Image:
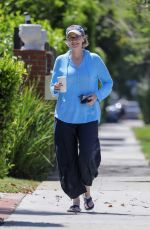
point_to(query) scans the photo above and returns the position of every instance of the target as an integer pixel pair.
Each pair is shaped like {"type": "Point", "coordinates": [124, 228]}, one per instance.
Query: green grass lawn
{"type": "Point", "coordinates": [143, 135]}
{"type": "Point", "coordinates": [13, 185]}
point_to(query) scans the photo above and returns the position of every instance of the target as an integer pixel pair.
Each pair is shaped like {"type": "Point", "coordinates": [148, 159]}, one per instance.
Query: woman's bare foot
{"type": "Point", "coordinates": [88, 202]}
{"type": "Point", "coordinates": [76, 206]}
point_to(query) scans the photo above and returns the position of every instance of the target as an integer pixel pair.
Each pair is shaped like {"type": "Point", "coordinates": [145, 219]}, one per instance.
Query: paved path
{"type": "Point", "coordinates": [121, 192]}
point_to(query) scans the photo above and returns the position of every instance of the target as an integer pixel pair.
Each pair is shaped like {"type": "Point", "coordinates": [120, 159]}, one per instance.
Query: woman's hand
{"type": "Point", "coordinates": [92, 99]}
{"type": "Point", "coordinates": [57, 86]}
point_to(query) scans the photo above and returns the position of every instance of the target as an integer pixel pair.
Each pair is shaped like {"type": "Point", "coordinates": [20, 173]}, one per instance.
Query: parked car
{"type": "Point", "coordinates": [122, 109]}
{"type": "Point", "coordinates": [132, 110]}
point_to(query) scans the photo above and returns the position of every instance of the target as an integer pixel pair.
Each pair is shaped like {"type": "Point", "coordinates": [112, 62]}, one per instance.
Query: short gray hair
{"type": "Point", "coordinates": [86, 42]}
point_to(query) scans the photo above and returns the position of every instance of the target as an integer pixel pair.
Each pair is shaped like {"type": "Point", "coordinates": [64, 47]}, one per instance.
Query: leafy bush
{"type": "Point", "coordinates": [7, 25]}
{"type": "Point", "coordinates": [33, 149]}
{"type": "Point", "coordinates": [55, 36]}
{"type": "Point", "coordinates": [26, 123]}
{"type": "Point", "coordinates": [11, 72]}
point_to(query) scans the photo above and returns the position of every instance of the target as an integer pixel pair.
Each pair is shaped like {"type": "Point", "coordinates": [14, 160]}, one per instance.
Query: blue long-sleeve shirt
{"type": "Point", "coordinates": [81, 80]}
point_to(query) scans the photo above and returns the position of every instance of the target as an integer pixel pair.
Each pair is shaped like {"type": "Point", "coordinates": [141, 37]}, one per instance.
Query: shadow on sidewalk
{"type": "Point", "coordinates": [46, 224]}
{"type": "Point", "coordinates": [50, 213]}
{"type": "Point", "coordinates": [31, 224]}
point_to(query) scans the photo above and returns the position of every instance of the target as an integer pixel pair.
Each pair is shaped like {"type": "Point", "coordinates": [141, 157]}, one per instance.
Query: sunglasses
{"type": "Point", "coordinates": [74, 38]}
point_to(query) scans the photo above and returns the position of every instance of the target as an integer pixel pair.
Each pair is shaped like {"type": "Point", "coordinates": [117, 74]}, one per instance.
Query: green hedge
{"type": "Point", "coordinates": [26, 124]}
{"type": "Point", "coordinates": [144, 99]}
{"type": "Point", "coordinates": [11, 72]}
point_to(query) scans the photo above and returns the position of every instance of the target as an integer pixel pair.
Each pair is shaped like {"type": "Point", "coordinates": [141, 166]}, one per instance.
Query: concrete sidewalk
{"type": "Point", "coordinates": [121, 191]}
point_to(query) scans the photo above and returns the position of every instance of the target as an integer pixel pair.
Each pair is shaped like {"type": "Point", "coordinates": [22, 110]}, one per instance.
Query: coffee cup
{"type": "Point", "coordinates": [63, 87]}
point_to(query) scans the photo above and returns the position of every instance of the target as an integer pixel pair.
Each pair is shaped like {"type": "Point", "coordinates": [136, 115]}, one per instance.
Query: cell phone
{"type": "Point", "coordinates": [84, 99]}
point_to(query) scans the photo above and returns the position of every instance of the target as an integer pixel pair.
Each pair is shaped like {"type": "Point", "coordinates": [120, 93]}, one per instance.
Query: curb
{"type": "Point", "coordinates": [8, 204]}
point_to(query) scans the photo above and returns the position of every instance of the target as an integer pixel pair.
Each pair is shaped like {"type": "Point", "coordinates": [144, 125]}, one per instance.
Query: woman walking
{"type": "Point", "coordinates": [77, 115]}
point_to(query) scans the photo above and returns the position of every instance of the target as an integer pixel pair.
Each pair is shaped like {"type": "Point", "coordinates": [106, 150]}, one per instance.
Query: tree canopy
{"type": "Point", "coordinates": [117, 29]}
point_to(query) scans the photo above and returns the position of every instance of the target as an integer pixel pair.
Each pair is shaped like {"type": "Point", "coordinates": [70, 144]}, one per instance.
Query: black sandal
{"type": "Point", "coordinates": [87, 202]}
{"type": "Point", "coordinates": [74, 208]}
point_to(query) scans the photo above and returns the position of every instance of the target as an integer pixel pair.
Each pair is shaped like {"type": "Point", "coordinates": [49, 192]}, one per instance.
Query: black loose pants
{"type": "Point", "coordinates": [78, 155]}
